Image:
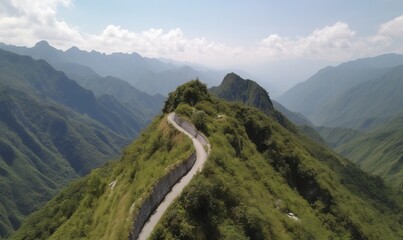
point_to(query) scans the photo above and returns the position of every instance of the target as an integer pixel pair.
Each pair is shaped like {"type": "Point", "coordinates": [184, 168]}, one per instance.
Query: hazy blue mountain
{"type": "Point", "coordinates": [51, 131]}
{"type": "Point", "coordinates": [312, 97]}
{"type": "Point", "coordinates": [143, 105]}
{"type": "Point", "coordinates": [147, 74]}
{"type": "Point", "coordinates": [359, 103]}
{"type": "Point", "coordinates": [166, 81]}
{"type": "Point", "coordinates": [297, 118]}
{"type": "Point", "coordinates": [368, 103]}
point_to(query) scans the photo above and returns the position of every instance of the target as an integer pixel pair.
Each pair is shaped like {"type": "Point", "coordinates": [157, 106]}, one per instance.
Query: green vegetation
{"type": "Point", "coordinates": [259, 171]}
{"type": "Point", "coordinates": [190, 93]}
{"type": "Point", "coordinates": [102, 205]}
{"type": "Point", "coordinates": [257, 174]}
{"type": "Point", "coordinates": [337, 136]}
{"type": "Point", "coordinates": [51, 131]}
{"type": "Point", "coordinates": [236, 89]}
{"type": "Point", "coordinates": [359, 103]}
{"type": "Point", "coordinates": [377, 151]}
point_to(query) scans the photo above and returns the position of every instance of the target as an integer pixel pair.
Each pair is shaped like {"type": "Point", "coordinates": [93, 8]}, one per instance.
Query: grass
{"type": "Point", "coordinates": [90, 209]}
{"type": "Point", "coordinates": [257, 173]}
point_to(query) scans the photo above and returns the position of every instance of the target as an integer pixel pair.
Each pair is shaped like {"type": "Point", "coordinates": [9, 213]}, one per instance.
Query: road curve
{"type": "Point", "coordinates": [201, 157]}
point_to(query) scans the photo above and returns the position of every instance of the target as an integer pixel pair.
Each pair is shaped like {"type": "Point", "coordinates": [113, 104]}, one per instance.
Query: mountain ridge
{"type": "Point", "coordinates": [141, 72]}
{"type": "Point", "coordinates": [258, 173]}
{"type": "Point", "coordinates": [52, 131]}
{"type": "Point", "coordinates": [312, 96]}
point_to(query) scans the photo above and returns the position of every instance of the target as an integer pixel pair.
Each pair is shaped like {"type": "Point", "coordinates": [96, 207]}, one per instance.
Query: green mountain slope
{"type": "Point", "coordinates": [52, 130]}
{"type": "Point", "coordinates": [102, 205]}
{"type": "Point", "coordinates": [312, 97]}
{"type": "Point", "coordinates": [337, 136]}
{"type": "Point", "coordinates": [143, 106]}
{"type": "Point", "coordinates": [257, 174]}
{"type": "Point", "coordinates": [259, 171]}
{"type": "Point", "coordinates": [378, 151]}
{"type": "Point", "coordinates": [235, 88]}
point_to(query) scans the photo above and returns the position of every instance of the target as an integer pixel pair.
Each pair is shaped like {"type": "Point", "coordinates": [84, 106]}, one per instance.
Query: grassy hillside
{"type": "Point", "coordinates": [258, 172]}
{"type": "Point", "coordinates": [51, 131]}
{"type": "Point", "coordinates": [337, 136]}
{"type": "Point", "coordinates": [235, 88]}
{"type": "Point", "coordinates": [379, 151]}
{"type": "Point", "coordinates": [102, 205]}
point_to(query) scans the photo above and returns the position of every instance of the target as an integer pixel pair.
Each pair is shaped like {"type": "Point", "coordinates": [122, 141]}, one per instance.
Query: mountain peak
{"type": "Point", "coordinates": [42, 44]}
{"type": "Point", "coordinates": [191, 93]}
{"type": "Point", "coordinates": [73, 49]}
{"type": "Point", "coordinates": [235, 88]}
{"type": "Point", "coordinates": [232, 77]}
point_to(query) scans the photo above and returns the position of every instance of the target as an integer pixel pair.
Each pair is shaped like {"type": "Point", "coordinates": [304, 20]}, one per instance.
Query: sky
{"type": "Point", "coordinates": [279, 42]}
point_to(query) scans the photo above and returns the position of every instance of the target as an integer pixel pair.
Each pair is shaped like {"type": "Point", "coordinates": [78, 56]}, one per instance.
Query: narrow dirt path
{"type": "Point", "coordinates": [201, 157]}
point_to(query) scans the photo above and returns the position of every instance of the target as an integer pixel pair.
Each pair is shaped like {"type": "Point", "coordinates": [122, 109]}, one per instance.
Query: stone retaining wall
{"type": "Point", "coordinates": [158, 193]}
{"type": "Point", "coordinates": [191, 129]}
{"type": "Point", "coordinates": [166, 183]}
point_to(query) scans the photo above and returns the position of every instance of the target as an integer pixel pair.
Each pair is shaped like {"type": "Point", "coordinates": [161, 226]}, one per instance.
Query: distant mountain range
{"type": "Point", "coordinates": [358, 106]}
{"type": "Point", "coordinates": [323, 98]}
{"type": "Point", "coordinates": [265, 178]}
{"type": "Point", "coordinates": [368, 103]}
{"type": "Point", "coordinates": [146, 74]}
{"type": "Point", "coordinates": [52, 130]}
{"type": "Point", "coordinates": [261, 181]}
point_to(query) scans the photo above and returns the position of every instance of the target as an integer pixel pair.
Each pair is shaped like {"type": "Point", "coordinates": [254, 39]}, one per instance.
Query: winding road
{"type": "Point", "coordinates": [201, 157]}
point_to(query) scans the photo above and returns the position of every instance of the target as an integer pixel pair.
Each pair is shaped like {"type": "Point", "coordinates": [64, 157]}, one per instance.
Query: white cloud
{"type": "Point", "coordinates": [334, 41]}
{"type": "Point", "coordinates": [158, 43]}
{"type": "Point", "coordinates": [25, 22]}
{"type": "Point", "coordinates": [393, 28]}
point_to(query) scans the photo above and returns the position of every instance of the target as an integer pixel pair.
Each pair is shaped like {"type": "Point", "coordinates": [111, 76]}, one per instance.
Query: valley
{"type": "Point", "coordinates": [201, 120]}
{"type": "Point", "coordinates": [87, 153]}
